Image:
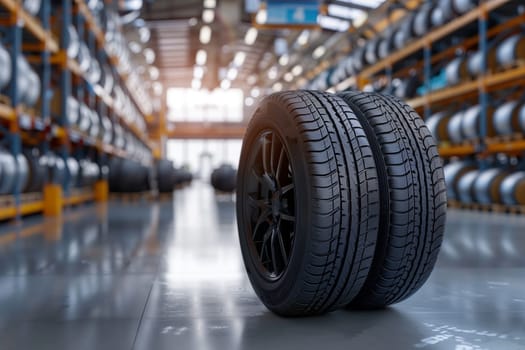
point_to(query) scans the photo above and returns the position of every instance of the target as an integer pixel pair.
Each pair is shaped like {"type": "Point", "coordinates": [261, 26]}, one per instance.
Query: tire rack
{"type": "Point", "coordinates": [14, 118]}
{"type": "Point", "coordinates": [480, 87]}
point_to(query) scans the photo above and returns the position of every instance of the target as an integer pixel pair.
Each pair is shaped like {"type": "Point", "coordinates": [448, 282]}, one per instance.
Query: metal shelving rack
{"type": "Point", "coordinates": [51, 56]}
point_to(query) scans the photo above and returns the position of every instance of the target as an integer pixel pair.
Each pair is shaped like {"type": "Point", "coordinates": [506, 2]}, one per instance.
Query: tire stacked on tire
{"type": "Point", "coordinates": [341, 201]}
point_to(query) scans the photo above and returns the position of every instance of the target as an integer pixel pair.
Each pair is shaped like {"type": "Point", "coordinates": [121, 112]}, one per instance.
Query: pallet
{"type": "Point", "coordinates": [489, 208]}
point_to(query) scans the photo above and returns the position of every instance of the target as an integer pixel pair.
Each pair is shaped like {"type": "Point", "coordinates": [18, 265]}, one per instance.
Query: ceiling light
{"type": "Point", "coordinates": [344, 11]}
{"type": "Point", "coordinates": [256, 92]}
{"type": "Point", "coordinates": [288, 77]}
{"type": "Point", "coordinates": [272, 73]}
{"type": "Point", "coordinates": [196, 84]}
{"type": "Point", "coordinates": [225, 84]}
{"type": "Point", "coordinates": [303, 38]}
{"type": "Point", "coordinates": [200, 57]}
{"type": "Point", "coordinates": [251, 36]}
{"type": "Point", "coordinates": [332, 23]}
{"type": "Point", "coordinates": [198, 72]}
{"type": "Point", "coordinates": [134, 47]}
{"type": "Point", "coordinates": [358, 22]}
{"type": "Point", "coordinates": [205, 34]}
{"type": "Point", "coordinates": [210, 4]}
{"type": "Point", "coordinates": [365, 3]}
{"type": "Point", "coordinates": [192, 22]}
{"type": "Point", "coordinates": [262, 16]}
{"type": "Point", "coordinates": [284, 60]}
{"type": "Point", "coordinates": [249, 101]}
{"type": "Point", "coordinates": [208, 15]}
{"type": "Point", "coordinates": [277, 87]}
{"type": "Point", "coordinates": [157, 88]}
{"type": "Point", "coordinates": [154, 73]}
{"type": "Point", "coordinates": [297, 70]}
{"type": "Point", "coordinates": [239, 58]}
{"type": "Point", "coordinates": [252, 79]}
{"type": "Point", "coordinates": [232, 73]}
{"type": "Point", "coordinates": [149, 55]}
{"type": "Point", "coordinates": [319, 52]}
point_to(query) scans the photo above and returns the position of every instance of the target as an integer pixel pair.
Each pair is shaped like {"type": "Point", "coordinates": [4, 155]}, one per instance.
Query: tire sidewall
{"type": "Point", "coordinates": [271, 116]}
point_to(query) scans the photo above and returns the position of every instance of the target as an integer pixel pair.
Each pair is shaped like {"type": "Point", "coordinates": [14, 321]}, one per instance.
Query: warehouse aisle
{"type": "Point", "coordinates": [170, 276]}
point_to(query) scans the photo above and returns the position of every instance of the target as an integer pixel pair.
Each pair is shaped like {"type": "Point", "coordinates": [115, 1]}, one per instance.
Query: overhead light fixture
{"type": "Point", "coordinates": [200, 57]}
{"type": "Point", "coordinates": [210, 4]}
{"type": "Point", "coordinates": [277, 87]}
{"type": "Point", "coordinates": [358, 22]}
{"type": "Point", "coordinates": [196, 84]}
{"type": "Point", "coordinates": [302, 39]}
{"type": "Point", "coordinates": [251, 36]}
{"type": "Point", "coordinates": [331, 23]}
{"type": "Point", "coordinates": [232, 73]}
{"type": "Point", "coordinates": [284, 60]}
{"type": "Point", "coordinates": [272, 73]}
{"type": "Point", "coordinates": [239, 58]}
{"type": "Point", "coordinates": [256, 92]}
{"type": "Point", "coordinates": [198, 72]}
{"type": "Point", "coordinates": [149, 55]}
{"type": "Point", "coordinates": [364, 3]}
{"type": "Point", "coordinates": [344, 11]}
{"type": "Point", "coordinates": [205, 34]}
{"type": "Point", "coordinates": [208, 15]}
{"type": "Point", "coordinates": [297, 70]}
{"type": "Point", "coordinates": [249, 101]}
{"type": "Point", "coordinates": [225, 84]}
{"type": "Point", "coordinates": [319, 52]}
{"type": "Point", "coordinates": [288, 77]}
{"type": "Point", "coordinates": [262, 16]}
{"type": "Point", "coordinates": [192, 22]}
{"type": "Point", "coordinates": [252, 79]}
{"type": "Point", "coordinates": [154, 73]}
{"type": "Point", "coordinates": [134, 47]}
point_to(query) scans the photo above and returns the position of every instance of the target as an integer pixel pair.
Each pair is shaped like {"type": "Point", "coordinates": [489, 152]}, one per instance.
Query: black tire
{"type": "Point", "coordinates": [329, 196]}
{"type": "Point", "coordinates": [412, 194]}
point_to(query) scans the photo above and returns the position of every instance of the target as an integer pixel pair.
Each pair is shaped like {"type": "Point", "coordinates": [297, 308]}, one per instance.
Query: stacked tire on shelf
{"type": "Point", "coordinates": [341, 201]}
{"type": "Point", "coordinates": [224, 178]}
{"type": "Point", "coordinates": [495, 185]}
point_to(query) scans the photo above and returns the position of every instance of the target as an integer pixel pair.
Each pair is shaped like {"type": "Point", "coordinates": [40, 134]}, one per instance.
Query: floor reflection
{"type": "Point", "coordinates": [170, 275]}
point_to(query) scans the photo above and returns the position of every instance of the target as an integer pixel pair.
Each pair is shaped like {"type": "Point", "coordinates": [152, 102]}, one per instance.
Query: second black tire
{"type": "Point", "coordinates": [412, 195]}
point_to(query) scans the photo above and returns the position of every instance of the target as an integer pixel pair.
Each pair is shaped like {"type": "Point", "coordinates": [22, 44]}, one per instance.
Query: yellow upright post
{"type": "Point", "coordinates": [53, 200]}
{"type": "Point", "coordinates": [101, 191]}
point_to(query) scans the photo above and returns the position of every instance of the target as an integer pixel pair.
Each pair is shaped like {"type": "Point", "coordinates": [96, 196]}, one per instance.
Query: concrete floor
{"type": "Point", "coordinates": [170, 276]}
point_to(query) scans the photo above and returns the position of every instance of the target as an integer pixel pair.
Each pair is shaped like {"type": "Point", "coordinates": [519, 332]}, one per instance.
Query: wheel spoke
{"type": "Point", "coordinates": [282, 247]}
{"type": "Point", "coordinates": [287, 188]}
{"type": "Point", "coordinates": [265, 155]}
{"type": "Point", "coordinates": [272, 155]}
{"type": "Point", "coordinates": [262, 218]}
{"type": "Point", "coordinates": [287, 217]}
{"type": "Point", "coordinates": [272, 250]}
{"type": "Point", "coordinates": [258, 203]}
{"type": "Point", "coordinates": [279, 163]}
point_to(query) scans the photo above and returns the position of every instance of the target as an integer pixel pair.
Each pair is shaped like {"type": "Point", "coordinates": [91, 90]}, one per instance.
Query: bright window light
{"type": "Point", "coordinates": [256, 92]}
{"type": "Point", "coordinates": [288, 77]}
{"type": "Point", "coordinates": [284, 60]}
{"type": "Point", "coordinates": [239, 58]}
{"type": "Point", "coordinates": [319, 52]}
{"type": "Point", "coordinates": [205, 34]}
{"type": "Point", "coordinates": [201, 57]}
{"type": "Point", "coordinates": [332, 23]}
{"type": "Point", "coordinates": [208, 15]}
{"type": "Point", "coordinates": [210, 4]}
{"type": "Point", "coordinates": [251, 36]}
{"type": "Point", "coordinates": [297, 70]}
